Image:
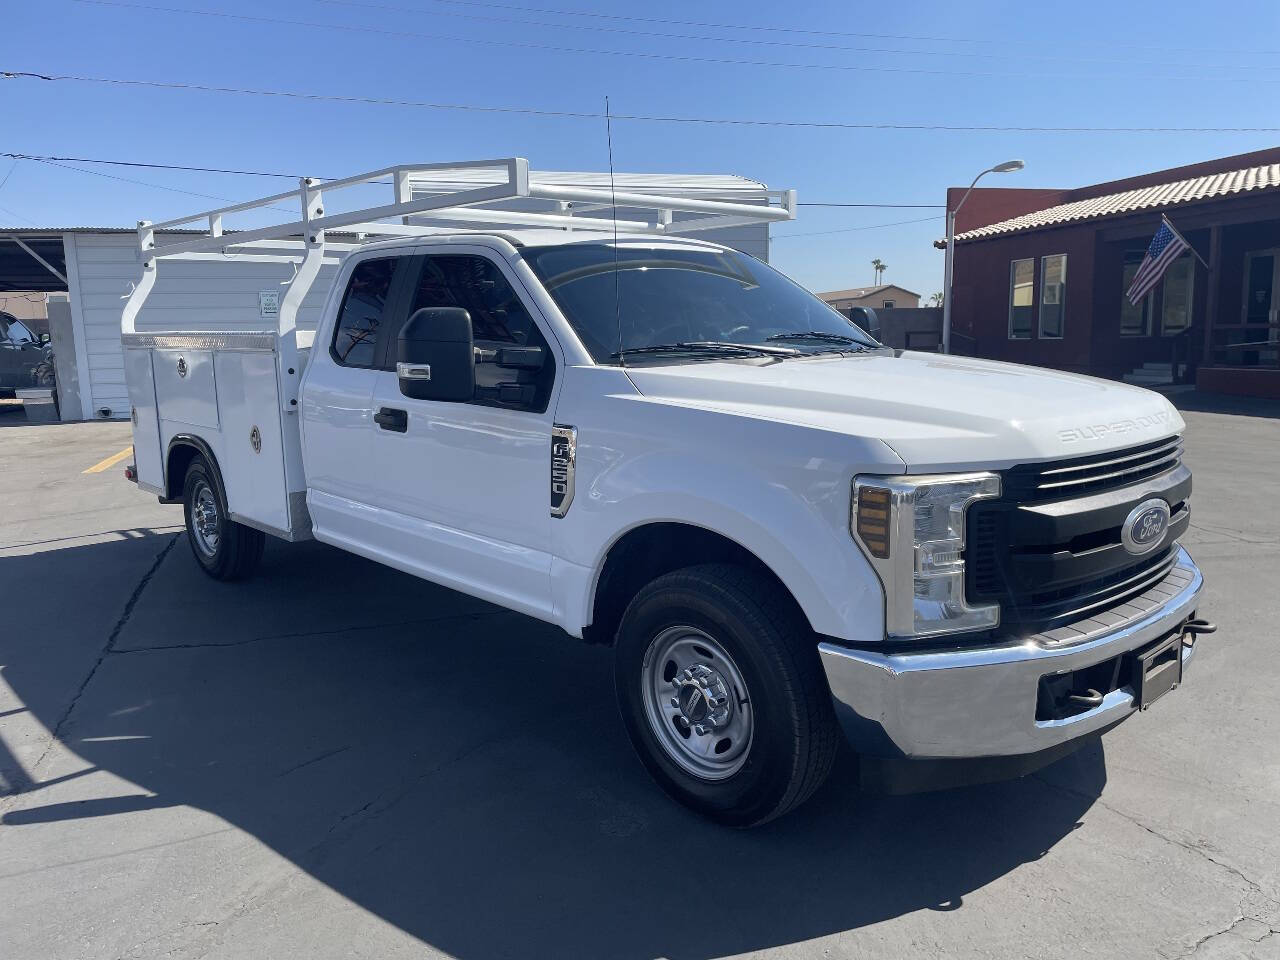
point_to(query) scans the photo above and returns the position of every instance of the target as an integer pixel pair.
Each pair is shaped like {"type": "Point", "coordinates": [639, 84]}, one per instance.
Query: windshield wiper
{"type": "Point", "coordinates": [710, 346]}
{"type": "Point", "coordinates": [818, 335]}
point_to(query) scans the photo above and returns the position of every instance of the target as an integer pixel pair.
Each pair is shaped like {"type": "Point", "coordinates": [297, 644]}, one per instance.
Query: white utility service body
{"type": "Point", "coordinates": [810, 468]}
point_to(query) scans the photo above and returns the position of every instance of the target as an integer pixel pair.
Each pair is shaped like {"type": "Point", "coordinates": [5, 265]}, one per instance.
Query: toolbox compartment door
{"type": "Point", "coordinates": [185, 387]}
{"type": "Point", "coordinates": [252, 447]}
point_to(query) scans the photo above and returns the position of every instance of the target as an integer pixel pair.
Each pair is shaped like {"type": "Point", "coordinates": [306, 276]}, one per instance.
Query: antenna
{"type": "Point", "coordinates": [613, 206]}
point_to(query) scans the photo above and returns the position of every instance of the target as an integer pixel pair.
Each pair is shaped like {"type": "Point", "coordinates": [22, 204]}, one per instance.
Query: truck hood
{"type": "Point", "coordinates": [936, 412]}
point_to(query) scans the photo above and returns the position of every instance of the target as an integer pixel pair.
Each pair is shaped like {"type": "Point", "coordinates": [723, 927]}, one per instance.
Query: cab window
{"type": "Point", "coordinates": [364, 307]}
{"type": "Point", "coordinates": [498, 319]}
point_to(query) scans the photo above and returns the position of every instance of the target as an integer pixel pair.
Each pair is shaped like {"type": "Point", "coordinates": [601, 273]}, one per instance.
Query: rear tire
{"type": "Point", "coordinates": [723, 695]}
{"type": "Point", "coordinates": [225, 549]}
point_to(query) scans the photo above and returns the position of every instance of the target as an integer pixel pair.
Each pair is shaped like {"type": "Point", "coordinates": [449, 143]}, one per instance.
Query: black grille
{"type": "Point", "coordinates": [1061, 479]}
{"type": "Point", "coordinates": [1101, 592]}
{"type": "Point", "coordinates": [1060, 555]}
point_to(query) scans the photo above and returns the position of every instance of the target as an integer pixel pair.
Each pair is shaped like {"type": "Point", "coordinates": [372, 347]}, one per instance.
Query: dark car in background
{"type": "Point", "coordinates": [26, 360]}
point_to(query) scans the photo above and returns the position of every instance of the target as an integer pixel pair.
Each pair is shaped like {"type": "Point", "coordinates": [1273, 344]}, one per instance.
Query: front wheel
{"type": "Point", "coordinates": [225, 549]}
{"type": "Point", "coordinates": [722, 694]}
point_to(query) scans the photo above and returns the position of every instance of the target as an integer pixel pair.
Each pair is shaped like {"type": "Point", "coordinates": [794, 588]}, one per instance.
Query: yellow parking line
{"type": "Point", "coordinates": [111, 461]}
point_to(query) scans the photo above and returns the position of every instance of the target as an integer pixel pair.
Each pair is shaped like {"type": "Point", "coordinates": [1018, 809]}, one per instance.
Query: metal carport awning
{"type": "Point", "coordinates": [36, 263]}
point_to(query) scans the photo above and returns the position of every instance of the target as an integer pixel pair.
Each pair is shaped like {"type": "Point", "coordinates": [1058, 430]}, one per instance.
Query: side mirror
{"type": "Point", "coordinates": [435, 358]}
{"type": "Point", "coordinates": [866, 318]}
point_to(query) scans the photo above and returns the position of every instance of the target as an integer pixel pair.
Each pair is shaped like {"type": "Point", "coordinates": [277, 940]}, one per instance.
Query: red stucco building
{"type": "Point", "coordinates": [1040, 276]}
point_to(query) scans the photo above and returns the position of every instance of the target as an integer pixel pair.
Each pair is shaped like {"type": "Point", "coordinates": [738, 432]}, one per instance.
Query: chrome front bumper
{"type": "Point", "coordinates": [981, 702]}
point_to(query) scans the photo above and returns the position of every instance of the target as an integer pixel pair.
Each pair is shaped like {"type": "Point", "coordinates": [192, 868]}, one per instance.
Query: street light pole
{"type": "Point", "coordinates": [949, 261]}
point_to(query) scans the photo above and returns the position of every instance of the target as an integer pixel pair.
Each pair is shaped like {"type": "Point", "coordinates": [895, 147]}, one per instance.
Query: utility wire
{"type": "Point", "coordinates": [871, 226]}
{"type": "Point", "coordinates": [143, 183]}
{"type": "Point", "coordinates": [823, 32]}
{"type": "Point", "coordinates": [293, 176]}
{"type": "Point", "coordinates": [634, 117]}
{"type": "Point", "coordinates": [14, 213]}
{"type": "Point", "coordinates": [52, 161]}
{"type": "Point", "coordinates": [645, 55]}
{"type": "Point", "coordinates": [896, 206]}
{"type": "Point", "coordinates": [754, 41]}
{"type": "Point", "coordinates": [158, 166]}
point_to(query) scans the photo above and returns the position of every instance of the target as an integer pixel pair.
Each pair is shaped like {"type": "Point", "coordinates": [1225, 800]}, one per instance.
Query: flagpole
{"type": "Point", "coordinates": [1194, 253]}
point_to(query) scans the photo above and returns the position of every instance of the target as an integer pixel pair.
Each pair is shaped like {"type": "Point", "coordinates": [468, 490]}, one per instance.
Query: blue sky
{"type": "Point", "coordinates": [980, 62]}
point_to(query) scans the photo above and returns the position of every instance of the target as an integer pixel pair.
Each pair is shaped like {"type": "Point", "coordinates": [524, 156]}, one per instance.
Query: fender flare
{"type": "Point", "coordinates": [204, 450]}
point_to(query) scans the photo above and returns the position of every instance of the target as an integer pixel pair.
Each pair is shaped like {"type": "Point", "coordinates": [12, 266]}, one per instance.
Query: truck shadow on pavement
{"type": "Point", "coordinates": [456, 770]}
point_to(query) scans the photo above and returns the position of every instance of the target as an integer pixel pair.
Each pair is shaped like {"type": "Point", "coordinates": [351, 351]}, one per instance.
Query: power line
{"type": "Point", "coordinates": [150, 166]}
{"type": "Point", "coordinates": [13, 167]}
{"type": "Point", "coordinates": [634, 117]}
{"type": "Point", "coordinates": [14, 213]}
{"type": "Point", "coordinates": [292, 176]}
{"type": "Point", "coordinates": [823, 32]}
{"type": "Point", "coordinates": [55, 162]}
{"type": "Point", "coordinates": [753, 41]}
{"type": "Point", "coordinates": [143, 183]}
{"type": "Point", "coordinates": [897, 206]}
{"type": "Point", "coordinates": [871, 226]}
{"type": "Point", "coordinates": [645, 55]}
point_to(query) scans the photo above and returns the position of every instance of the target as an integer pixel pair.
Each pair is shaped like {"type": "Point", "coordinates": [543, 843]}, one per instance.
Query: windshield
{"type": "Point", "coordinates": [665, 295]}
{"type": "Point", "coordinates": [18, 332]}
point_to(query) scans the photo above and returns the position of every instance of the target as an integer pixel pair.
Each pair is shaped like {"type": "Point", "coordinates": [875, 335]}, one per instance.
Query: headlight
{"type": "Point", "coordinates": [912, 530]}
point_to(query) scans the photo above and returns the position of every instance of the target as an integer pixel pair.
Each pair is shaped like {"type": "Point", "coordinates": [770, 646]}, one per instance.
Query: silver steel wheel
{"type": "Point", "coordinates": [204, 518]}
{"type": "Point", "coordinates": [697, 703]}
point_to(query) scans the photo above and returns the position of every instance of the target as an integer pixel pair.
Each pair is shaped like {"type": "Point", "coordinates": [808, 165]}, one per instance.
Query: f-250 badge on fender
{"type": "Point", "coordinates": [564, 452]}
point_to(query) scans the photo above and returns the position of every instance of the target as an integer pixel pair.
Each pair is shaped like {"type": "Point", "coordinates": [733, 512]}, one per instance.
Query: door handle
{"type": "Point", "coordinates": [388, 418]}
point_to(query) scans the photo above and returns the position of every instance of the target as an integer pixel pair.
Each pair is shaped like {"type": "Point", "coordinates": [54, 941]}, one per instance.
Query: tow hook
{"type": "Point", "coordinates": [1090, 698]}
{"type": "Point", "coordinates": [1193, 628]}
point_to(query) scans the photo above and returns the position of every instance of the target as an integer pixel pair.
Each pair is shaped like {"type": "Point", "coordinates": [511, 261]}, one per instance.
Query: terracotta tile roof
{"type": "Point", "coordinates": [1265, 177]}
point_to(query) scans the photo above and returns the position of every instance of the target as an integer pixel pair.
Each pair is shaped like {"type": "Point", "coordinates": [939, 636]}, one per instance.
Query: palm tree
{"type": "Point", "coordinates": [879, 266]}
{"type": "Point", "coordinates": [935, 299]}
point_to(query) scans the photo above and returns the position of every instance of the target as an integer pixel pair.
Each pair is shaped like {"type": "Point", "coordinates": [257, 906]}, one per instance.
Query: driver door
{"type": "Point", "coordinates": [467, 486]}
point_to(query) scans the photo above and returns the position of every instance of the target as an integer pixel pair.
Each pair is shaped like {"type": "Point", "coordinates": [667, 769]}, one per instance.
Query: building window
{"type": "Point", "coordinates": [1053, 296]}
{"type": "Point", "coordinates": [1175, 310]}
{"type": "Point", "coordinates": [1135, 321]}
{"type": "Point", "coordinates": [1022, 281]}
{"type": "Point", "coordinates": [888, 305]}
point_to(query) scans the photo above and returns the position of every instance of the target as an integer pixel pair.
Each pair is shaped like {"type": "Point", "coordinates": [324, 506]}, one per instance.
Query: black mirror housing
{"type": "Point", "coordinates": [435, 356]}
{"type": "Point", "coordinates": [866, 318]}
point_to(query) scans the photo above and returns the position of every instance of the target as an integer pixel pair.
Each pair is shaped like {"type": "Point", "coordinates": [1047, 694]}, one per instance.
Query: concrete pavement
{"type": "Point", "coordinates": [335, 759]}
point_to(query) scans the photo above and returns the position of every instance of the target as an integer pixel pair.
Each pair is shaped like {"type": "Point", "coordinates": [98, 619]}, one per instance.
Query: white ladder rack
{"type": "Point", "coordinates": [302, 242]}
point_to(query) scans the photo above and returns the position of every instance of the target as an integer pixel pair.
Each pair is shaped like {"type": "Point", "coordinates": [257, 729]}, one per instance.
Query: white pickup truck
{"type": "Point", "coordinates": [784, 529]}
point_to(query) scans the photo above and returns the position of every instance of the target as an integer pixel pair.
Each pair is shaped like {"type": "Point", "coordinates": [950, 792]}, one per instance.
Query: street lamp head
{"type": "Point", "coordinates": [1008, 166]}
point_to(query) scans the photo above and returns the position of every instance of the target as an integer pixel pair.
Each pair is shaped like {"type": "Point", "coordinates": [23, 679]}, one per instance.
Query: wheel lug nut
{"type": "Point", "coordinates": [675, 703]}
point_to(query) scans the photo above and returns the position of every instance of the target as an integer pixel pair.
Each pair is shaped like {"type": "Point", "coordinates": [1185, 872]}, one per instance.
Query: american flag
{"type": "Point", "coordinates": [1166, 246]}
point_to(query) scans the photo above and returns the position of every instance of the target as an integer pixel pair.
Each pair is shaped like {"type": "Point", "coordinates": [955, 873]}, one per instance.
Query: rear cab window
{"type": "Point", "coordinates": [357, 334]}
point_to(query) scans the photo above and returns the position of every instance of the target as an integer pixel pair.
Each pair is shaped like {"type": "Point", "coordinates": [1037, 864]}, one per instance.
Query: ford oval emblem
{"type": "Point", "coordinates": [1145, 527]}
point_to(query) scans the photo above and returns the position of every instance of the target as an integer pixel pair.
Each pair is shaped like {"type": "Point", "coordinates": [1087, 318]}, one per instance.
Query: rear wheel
{"type": "Point", "coordinates": [722, 694]}
{"type": "Point", "coordinates": [225, 549]}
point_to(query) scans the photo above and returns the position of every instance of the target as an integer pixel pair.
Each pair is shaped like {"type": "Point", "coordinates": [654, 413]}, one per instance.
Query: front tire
{"type": "Point", "coordinates": [225, 550]}
{"type": "Point", "coordinates": [722, 693]}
